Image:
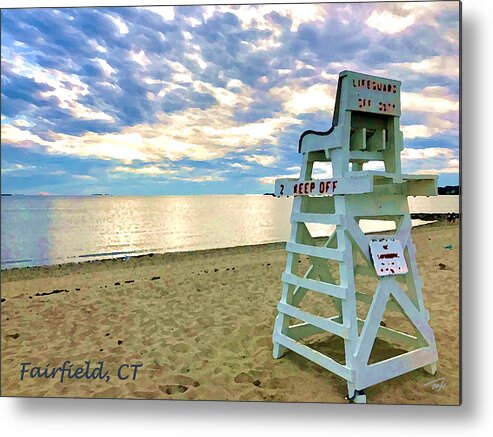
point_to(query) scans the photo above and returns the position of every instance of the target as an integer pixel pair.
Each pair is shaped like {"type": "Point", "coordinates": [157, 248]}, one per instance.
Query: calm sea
{"type": "Point", "coordinates": [37, 230]}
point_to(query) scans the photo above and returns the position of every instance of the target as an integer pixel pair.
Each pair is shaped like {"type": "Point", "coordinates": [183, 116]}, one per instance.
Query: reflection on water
{"type": "Point", "coordinates": [39, 230]}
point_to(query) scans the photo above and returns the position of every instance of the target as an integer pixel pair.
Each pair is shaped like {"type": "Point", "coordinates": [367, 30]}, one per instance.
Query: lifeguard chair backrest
{"type": "Point", "coordinates": [369, 108]}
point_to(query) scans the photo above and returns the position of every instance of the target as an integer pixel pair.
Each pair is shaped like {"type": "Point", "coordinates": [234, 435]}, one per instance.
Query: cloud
{"type": "Point", "coordinates": [206, 178]}
{"type": "Point", "coordinates": [166, 12]}
{"type": "Point", "coordinates": [191, 133]}
{"type": "Point", "coordinates": [240, 166]}
{"type": "Point", "coordinates": [264, 160]}
{"type": "Point", "coordinates": [224, 90]}
{"type": "Point", "coordinates": [150, 170]}
{"type": "Point", "coordinates": [298, 99]}
{"type": "Point", "coordinates": [430, 160]}
{"type": "Point", "coordinates": [453, 168]}
{"type": "Point", "coordinates": [96, 46]}
{"type": "Point", "coordinates": [84, 177]}
{"type": "Point", "coordinates": [260, 16]}
{"type": "Point", "coordinates": [321, 170]}
{"type": "Point", "coordinates": [140, 58]}
{"type": "Point", "coordinates": [20, 137]}
{"type": "Point", "coordinates": [235, 83]}
{"type": "Point", "coordinates": [119, 23]}
{"type": "Point", "coordinates": [436, 65]}
{"type": "Point", "coordinates": [387, 22]}
{"type": "Point", "coordinates": [409, 154]}
{"type": "Point", "coordinates": [18, 167]}
{"type": "Point", "coordinates": [67, 89]}
{"type": "Point", "coordinates": [179, 173]}
{"type": "Point", "coordinates": [374, 165]}
{"type": "Point", "coordinates": [271, 180]}
{"type": "Point", "coordinates": [431, 99]}
{"type": "Point", "coordinates": [196, 57]}
{"type": "Point", "coordinates": [418, 131]}
{"type": "Point", "coordinates": [395, 18]}
{"type": "Point", "coordinates": [107, 68]}
{"type": "Point", "coordinates": [21, 123]}
{"type": "Point", "coordinates": [196, 134]}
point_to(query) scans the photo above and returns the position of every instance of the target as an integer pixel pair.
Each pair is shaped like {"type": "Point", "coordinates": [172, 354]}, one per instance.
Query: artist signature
{"type": "Point", "coordinates": [437, 385]}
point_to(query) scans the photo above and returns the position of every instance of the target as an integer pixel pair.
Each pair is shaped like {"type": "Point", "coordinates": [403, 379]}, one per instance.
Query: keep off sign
{"type": "Point", "coordinates": [323, 187]}
{"type": "Point", "coordinates": [320, 187]}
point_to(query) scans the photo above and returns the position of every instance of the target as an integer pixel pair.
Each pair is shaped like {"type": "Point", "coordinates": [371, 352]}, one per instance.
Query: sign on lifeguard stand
{"type": "Point", "coordinates": [365, 129]}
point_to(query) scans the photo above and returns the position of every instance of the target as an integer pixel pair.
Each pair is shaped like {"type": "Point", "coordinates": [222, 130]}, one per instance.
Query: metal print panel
{"type": "Point", "coordinates": [191, 195]}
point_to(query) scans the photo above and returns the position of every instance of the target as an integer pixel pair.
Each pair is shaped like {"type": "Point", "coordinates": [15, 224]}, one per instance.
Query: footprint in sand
{"type": "Point", "coordinates": [173, 389]}
{"type": "Point", "coordinates": [243, 377]}
{"type": "Point", "coordinates": [187, 381]}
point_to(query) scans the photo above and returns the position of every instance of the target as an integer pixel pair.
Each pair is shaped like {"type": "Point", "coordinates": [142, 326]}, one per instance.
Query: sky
{"type": "Point", "coordinates": [211, 99]}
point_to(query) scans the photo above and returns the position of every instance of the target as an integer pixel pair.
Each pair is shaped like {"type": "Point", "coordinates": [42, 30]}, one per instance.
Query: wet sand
{"type": "Point", "coordinates": [200, 324]}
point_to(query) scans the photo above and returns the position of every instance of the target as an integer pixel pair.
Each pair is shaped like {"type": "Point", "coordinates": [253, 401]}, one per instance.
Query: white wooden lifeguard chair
{"type": "Point", "coordinates": [365, 128]}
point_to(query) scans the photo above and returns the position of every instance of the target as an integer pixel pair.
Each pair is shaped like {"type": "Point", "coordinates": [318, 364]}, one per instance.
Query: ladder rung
{"type": "Point", "coordinates": [302, 330]}
{"type": "Point", "coordinates": [396, 366]}
{"type": "Point", "coordinates": [393, 335]}
{"type": "Point", "coordinates": [319, 252]}
{"type": "Point", "coordinates": [315, 356]}
{"type": "Point", "coordinates": [318, 286]}
{"type": "Point", "coordinates": [326, 219]}
{"type": "Point", "coordinates": [320, 322]}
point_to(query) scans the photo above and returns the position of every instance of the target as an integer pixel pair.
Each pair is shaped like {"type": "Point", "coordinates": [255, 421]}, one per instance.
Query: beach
{"type": "Point", "coordinates": [198, 325]}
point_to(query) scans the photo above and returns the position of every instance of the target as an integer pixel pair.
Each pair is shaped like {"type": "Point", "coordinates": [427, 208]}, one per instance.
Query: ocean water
{"type": "Point", "coordinates": [43, 230]}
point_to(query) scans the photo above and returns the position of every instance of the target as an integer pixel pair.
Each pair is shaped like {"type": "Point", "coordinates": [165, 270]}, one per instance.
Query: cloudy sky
{"type": "Point", "coordinates": [211, 99]}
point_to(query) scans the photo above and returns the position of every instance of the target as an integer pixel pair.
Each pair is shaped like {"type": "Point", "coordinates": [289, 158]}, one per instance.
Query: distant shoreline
{"type": "Point", "coordinates": [441, 192]}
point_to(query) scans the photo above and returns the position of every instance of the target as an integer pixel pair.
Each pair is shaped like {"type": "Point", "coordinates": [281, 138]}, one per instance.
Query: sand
{"type": "Point", "coordinates": [200, 324]}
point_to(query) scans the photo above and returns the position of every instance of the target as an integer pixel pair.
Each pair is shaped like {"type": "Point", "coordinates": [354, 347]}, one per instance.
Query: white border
{"type": "Point", "coordinates": [57, 417]}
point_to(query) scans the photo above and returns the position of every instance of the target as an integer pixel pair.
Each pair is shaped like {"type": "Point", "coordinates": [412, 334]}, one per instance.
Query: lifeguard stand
{"type": "Point", "coordinates": [365, 129]}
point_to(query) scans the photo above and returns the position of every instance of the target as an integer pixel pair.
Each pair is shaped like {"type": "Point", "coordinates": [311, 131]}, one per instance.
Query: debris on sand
{"type": "Point", "coordinates": [47, 293]}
